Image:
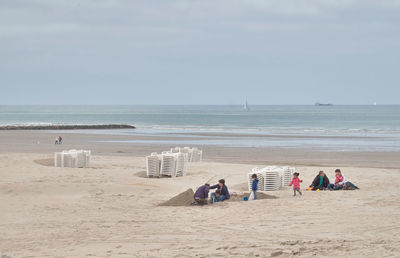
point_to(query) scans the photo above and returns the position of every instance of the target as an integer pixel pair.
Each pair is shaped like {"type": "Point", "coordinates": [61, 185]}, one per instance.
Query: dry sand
{"type": "Point", "coordinates": [109, 210]}
{"type": "Point", "coordinates": [112, 210]}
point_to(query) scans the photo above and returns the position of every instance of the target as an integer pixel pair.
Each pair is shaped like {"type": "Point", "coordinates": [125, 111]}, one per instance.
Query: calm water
{"type": "Point", "coordinates": [381, 124]}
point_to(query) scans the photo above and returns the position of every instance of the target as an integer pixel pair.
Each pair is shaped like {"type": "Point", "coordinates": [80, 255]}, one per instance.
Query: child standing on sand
{"type": "Point", "coordinates": [296, 183]}
{"type": "Point", "coordinates": [254, 185]}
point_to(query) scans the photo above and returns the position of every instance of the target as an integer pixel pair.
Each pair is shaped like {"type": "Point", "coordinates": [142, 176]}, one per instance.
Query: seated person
{"type": "Point", "coordinates": [339, 181]}
{"type": "Point", "coordinates": [201, 195]}
{"type": "Point", "coordinates": [217, 193]}
{"type": "Point", "coordinates": [224, 193]}
{"type": "Point", "coordinates": [320, 182]}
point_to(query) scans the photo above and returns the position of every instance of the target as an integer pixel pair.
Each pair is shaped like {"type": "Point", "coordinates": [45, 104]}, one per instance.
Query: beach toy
{"type": "Point", "coordinates": [245, 198]}
{"type": "Point", "coordinates": [309, 189]}
{"type": "Point", "coordinates": [317, 190]}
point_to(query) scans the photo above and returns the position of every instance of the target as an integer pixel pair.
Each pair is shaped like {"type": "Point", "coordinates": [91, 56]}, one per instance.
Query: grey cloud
{"type": "Point", "coordinates": [217, 42]}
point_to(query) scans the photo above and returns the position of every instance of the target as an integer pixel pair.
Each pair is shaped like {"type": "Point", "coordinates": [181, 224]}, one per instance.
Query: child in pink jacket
{"type": "Point", "coordinates": [296, 183]}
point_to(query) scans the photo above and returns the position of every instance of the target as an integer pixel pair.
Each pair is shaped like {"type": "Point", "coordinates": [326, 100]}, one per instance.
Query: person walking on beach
{"type": "Point", "coordinates": [224, 192]}
{"type": "Point", "coordinates": [254, 186]}
{"type": "Point", "coordinates": [201, 195]}
{"type": "Point", "coordinates": [296, 183]}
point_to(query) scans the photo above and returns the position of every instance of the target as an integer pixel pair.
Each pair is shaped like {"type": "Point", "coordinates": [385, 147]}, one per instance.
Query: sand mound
{"type": "Point", "coordinates": [144, 175]}
{"type": "Point", "coordinates": [186, 198]}
{"type": "Point", "coordinates": [182, 199]}
{"type": "Point", "coordinates": [260, 196]}
{"type": "Point", "coordinates": [45, 162]}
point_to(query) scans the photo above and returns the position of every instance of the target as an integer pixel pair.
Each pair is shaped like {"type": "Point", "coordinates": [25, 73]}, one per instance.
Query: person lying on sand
{"type": "Point", "coordinates": [224, 192]}
{"type": "Point", "coordinates": [320, 182]}
{"type": "Point", "coordinates": [201, 195]}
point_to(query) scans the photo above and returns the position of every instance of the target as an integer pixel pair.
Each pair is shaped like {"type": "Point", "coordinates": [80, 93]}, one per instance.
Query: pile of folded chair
{"type": "Point", "coordinates": [72, 159]}
{"type": "Point", "coordinates": [194, 154]}
{"type": "Point", "coordinates": [166, 164]}
{"type": "Point", "coordinates": [271, 178]}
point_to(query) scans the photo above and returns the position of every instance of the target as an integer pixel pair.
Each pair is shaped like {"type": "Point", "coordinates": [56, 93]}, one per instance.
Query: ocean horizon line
{"type": "Point", "coordinates": [188, 105]}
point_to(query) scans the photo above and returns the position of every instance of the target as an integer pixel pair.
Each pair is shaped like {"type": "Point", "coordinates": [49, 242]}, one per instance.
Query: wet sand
{"type": "Point", "coordinates": [43, 142]}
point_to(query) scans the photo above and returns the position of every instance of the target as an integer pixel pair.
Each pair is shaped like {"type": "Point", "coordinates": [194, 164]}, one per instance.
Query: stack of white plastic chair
{"type": "Point", "coordinates": [272, 179]}
{"type": "Point", "coordinates": [72, 158]}
{"type": "Point", "coordinates": [88, 157]}
{"type": "Point", "coordinates": [286, 174]}
{"type": "Point", "coordinates": [82, 158]}
{"type": "Point", "coordinates": [188, 151]}
{"type": "Point", "coordinates": [173, 162]}
{"type": "Point", "coordinates": [176, 150]}
{"type": "Point", "coordinates": [196, 155]}
{"type": "Point", "coordinates": [260, 178]}
{"type": "Point", "coordinates": [68, 159]}
{"type": "Point", "coordinates": [58, 159]}
{"type": "Point", "coordinates": [181, 164]}
{"type": "Point", "coordinates": [153, 165]}
{"type": "Point", "coordinates": [168, 165]}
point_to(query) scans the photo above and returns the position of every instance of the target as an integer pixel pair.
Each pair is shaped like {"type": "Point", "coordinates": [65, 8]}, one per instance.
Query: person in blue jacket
{"type": "Point", "coordinates": [254, 185]}
{"type": "Point", "coordinates": [224, 192]}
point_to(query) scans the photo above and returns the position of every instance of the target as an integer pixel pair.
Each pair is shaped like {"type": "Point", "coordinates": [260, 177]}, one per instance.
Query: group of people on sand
{"type": "Point", "coordinates": [58, 140]}
{"type": "Point", "coordinates": [221, 193]}
{"type": "Point", "coordinates": [320, 182]}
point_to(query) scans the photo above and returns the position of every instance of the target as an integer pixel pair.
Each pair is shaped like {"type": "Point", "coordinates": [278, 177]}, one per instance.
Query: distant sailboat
{"type": "Point", "coordinates": [246, 106]}
{"type": "Point", "coordinates": [373, 106]}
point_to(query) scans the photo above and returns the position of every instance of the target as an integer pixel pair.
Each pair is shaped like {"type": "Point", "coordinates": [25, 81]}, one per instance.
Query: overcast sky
{"type": "Point", "coordinates": [199, 51]}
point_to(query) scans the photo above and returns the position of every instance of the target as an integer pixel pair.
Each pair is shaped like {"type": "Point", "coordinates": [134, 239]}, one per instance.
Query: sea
{"type": "Point", "coordinates": [337, 127]}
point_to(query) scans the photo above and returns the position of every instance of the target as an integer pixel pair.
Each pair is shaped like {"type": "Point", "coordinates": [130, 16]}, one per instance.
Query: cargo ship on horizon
{"type": "Point", "coordinates": [323, 104]}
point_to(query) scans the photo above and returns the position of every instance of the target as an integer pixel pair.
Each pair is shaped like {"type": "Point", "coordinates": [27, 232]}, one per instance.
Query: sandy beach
{"type": "Point", "coordinates": [112, 210]}
{"type": "Point", "coordinates": [154, 99]}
